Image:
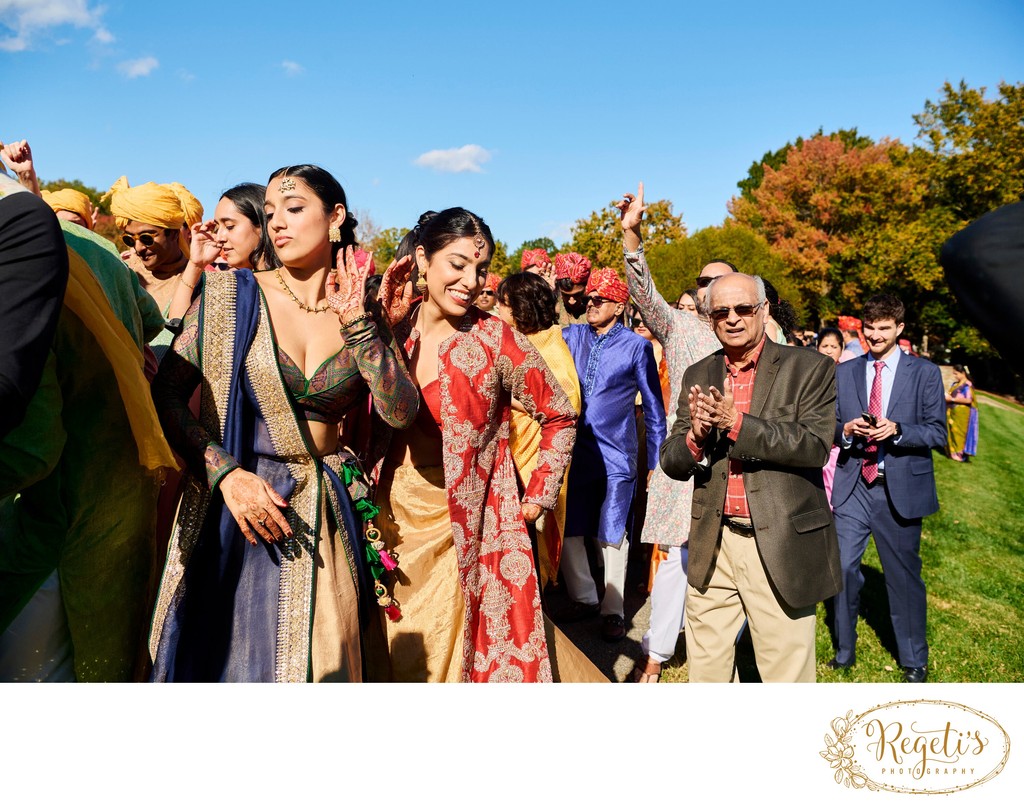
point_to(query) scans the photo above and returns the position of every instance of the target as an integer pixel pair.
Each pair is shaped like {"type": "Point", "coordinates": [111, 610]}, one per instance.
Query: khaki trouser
{"type": "Point", "coordinates": [739, 589]}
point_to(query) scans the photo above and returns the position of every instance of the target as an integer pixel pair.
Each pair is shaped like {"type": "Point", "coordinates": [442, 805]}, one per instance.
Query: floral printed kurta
{"type": "Point", "coordinates": [684, 339]}
{"type": "Point", "coordinates": [481, 368]}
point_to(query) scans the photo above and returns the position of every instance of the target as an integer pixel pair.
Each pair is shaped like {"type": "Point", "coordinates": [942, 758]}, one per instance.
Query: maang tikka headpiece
{"type": "Point", "coordinates": [479, 243]}
{"type": "Point", "coordinates": [287, 184]}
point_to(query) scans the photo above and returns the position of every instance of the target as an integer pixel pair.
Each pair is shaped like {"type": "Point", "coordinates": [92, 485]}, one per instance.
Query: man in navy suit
{"type": "Point", "coordinates": [890, 413]}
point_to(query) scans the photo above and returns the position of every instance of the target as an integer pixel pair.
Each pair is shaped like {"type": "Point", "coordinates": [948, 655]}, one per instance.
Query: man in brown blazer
{"type": "Point", "coordinates": [754, 431]}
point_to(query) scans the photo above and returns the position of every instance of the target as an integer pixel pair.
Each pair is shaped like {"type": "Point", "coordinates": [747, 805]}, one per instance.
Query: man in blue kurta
{"type": "Point", "coordinates": [613, 364]}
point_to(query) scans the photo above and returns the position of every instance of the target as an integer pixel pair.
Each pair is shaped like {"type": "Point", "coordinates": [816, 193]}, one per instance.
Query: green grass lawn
{"type": "Point", "coordinates": [973, 554]}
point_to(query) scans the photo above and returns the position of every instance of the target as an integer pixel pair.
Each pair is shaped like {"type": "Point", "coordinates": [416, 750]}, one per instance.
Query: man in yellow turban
{"type": "Point", "coordinates": [72, 205]}
{"type": "Point", "coordinates": [154, 224]}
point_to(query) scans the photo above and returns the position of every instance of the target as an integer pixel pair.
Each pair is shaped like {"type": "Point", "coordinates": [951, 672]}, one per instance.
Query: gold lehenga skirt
{"type": "Point", "coordinates": [426, 644]}
{"type": "Point", "coordinates": [336, 653]}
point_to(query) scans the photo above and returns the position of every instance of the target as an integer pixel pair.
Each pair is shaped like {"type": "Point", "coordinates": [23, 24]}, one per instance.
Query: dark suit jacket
{"type": "Point", "coordinates": [784, 442]}
{"type": "Point", "coordinates": [918, 403]}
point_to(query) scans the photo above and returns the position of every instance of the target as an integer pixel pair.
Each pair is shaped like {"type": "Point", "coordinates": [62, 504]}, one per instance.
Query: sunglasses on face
{"type": "Point", "coordinates": [147, 239]}
{"type": "Point", "coordinates": [597, 300]}
{"type": "Point", "coordinates": [741, 310]}
{"type": "Point", "coordinates": [486, 292]}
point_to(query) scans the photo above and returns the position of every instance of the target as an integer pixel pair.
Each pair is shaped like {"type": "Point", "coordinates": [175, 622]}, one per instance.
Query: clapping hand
{"type": "Point", "coordinates": [720, 407]}
{"type": "Point", "coordinates": [346, 285]}
{"type": "Point", "coordinates": [17, 155]}
{"type": "Point", "coordinates": [396, 291]}
{"type": "Point", "coordinates": [700, 427]}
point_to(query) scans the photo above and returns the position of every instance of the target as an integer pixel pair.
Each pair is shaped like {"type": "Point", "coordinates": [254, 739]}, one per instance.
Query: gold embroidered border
{"type": "Point", "coordinates": [295, 593]}
{"type": "Point", "coordinates": [217, 347]}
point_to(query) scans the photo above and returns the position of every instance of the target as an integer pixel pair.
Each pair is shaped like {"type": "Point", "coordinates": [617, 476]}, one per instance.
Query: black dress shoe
{"type": "Point", "coordinates": [613, 628]}
{"type": "Point", "coordinates": [835, 665]}
{"type": "Point", "coordinates": [915, 674]}
{"type": "Point", "coordinates": [576, 611]}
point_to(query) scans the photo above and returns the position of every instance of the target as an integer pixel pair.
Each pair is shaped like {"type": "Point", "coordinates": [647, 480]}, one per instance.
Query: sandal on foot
{"type": "Point", "coordinates": [650, 672]}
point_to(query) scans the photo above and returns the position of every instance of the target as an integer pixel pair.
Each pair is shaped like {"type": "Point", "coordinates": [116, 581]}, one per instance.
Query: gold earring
{"type": "Point", "coordinates": [421, 284]}
{"type": "Point", "coordinates": [334, 233]}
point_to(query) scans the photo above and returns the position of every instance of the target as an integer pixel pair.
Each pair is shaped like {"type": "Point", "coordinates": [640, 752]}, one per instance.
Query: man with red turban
{"type": "Point", "coordinates": [613, 364]}
{"type": "Point", "coordinates": [487, 298]}
{"type": "Point", "coordinates": [853, 337]}
{"type": "Point", "coordinates": [571, 273]}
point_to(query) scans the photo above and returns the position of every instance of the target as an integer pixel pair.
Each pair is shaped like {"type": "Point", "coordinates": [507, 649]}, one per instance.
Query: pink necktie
{"type": "Point", "coordinates": [870, 467]}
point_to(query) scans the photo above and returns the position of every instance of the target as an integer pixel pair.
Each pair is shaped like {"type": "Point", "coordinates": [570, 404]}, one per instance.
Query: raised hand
{"type": "Point", "coordinates": [17, 155]}
{"type": "Point", "coordinates": [205, 247]}
{"type": "Point", "coordinates": [346, 285]}
{"type": "Point", "coordinates": [632, 210]}
{"type": "Point", "coordinates": [255, 506]}
{"type": "Point", "coordinates": [546, 270]}
{"type": "Point", "coordinates": [396, 292]}
{"type": "Point", "coordinates": [720, 407]}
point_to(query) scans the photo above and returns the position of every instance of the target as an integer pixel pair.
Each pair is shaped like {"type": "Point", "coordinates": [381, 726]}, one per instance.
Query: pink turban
{"type": "Point", "coordinates": [534, 258]}
{"type": "Point", "coordinates": [493, 279]}
{"type": "Point", "coordinates": [572, 266]}
{"type": "Point", "coordinates": [606, 283]}
{"type": "Point", "coordinates": [360, 257]}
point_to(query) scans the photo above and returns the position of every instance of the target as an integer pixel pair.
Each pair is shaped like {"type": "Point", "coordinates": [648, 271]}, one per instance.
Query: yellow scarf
{"type": "Point", "coordinates": [85, 297]}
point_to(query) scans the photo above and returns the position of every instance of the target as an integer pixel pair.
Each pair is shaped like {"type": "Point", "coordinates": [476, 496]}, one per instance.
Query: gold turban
{"type": "Point", "coordinates": [190, 206]}
{"type": "Point", "coordinates": [149, 203]}
{"type": "Point", "coordinates": [68, 199]}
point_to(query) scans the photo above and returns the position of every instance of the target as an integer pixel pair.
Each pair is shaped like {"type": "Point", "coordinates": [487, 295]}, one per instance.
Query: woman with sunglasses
{"type": "Point", "coordinates": [270, 575]}
{"type": "Point", "coordinates": [448, 491]}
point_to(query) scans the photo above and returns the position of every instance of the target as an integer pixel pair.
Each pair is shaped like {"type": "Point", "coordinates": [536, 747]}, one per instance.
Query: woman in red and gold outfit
{"type": "Point", "coordinates": [448, 491]}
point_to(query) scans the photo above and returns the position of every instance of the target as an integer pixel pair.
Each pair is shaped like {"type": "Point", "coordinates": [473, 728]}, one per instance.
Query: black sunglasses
{"type": "Point", "coordinates": [597, 300]}
{"type": "Point", "coordinates": [147, 239]}
{"type": "Point", "coordinates": [742, 310]}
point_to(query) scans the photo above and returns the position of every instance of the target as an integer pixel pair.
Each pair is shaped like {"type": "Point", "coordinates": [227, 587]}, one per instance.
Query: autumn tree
{"type": "Point", "coordinates": [849, 221]}
{"type": "Point", "coordinates": [599, 236]}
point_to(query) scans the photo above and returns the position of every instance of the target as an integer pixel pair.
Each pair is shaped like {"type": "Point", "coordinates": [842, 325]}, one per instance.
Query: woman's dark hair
{"type": "Point", "coordinates": [962, 369]}
{"type": "Point", "coordinates": [831, 331]}
{"type": "Point", "coordinates": [782, 311]}
{"type": "Point", "coordinates": [330, 193]}
{"type": "Point", "coordinates": [531, 300]}
{"type": "Point", "coordinates": [248, 199]}
{"type": "Point", "coordinates": [436, 231]}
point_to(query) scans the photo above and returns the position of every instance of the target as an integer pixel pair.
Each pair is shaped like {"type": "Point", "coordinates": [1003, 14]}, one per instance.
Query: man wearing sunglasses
{"type": "Point", "coordinates": [613, 363]}
{"type": "Point", "coordinates": [756, 428]}
{"type": "Point", "coordinates": [152, 219]}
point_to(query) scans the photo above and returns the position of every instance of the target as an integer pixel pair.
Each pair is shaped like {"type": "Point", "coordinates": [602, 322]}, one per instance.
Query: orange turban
{"type": "Point", "coordinates": [493, 279]}
{"type": "Point", "coordinates": [847, 323]}
{"type": "Point", "coordinates": [533, 258]}
{"type": "Point", "coordinates": [572, 266]}
{"type": "Point", "coordinates": [72, 201]}
{"type": "Point", "coordinates": [606, 283]}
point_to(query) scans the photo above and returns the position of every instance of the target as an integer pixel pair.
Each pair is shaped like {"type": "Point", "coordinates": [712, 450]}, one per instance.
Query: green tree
{"type": "Point", "coordinates": [599, 236]}
{"type": "Point", "coordinates": [675, 266]}
{"type": "Point", "coordinates": [500, 264]}
{"type": "Point", "coordinates": [384, 244]}
{"type": "Point", "coordinates": [978, 146]}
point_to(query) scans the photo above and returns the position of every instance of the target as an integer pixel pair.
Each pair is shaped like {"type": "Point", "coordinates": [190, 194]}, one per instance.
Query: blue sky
{"type": "Point", "coordinates": [531, 114]}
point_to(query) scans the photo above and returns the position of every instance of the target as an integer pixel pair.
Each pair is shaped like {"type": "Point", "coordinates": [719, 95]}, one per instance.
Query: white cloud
{"type": "Point", "coordinates": [464, 158]}
{"type": "Point", "coordinates": [28, 18]}
{"type": "Point", "coordinates": [134, 68]}
{"type": "Point", "coordinates": [103, 36]}
{"type": "Point", "coordinates": [184, 75]}
{"type": "Point", "coordinates": [558, 232]}
{"type": "Point", "coordinates": [292, 68]}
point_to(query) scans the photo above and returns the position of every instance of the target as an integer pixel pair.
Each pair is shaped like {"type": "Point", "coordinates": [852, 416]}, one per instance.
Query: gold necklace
{"type": "Point", "coordinates": [300, 304]}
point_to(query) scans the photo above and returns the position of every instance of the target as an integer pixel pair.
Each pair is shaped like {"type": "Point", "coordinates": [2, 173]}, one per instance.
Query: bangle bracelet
{"type": "Point", "coordinates": [186, 283]}
{"type": "Point", "coordinates": [353, 321]}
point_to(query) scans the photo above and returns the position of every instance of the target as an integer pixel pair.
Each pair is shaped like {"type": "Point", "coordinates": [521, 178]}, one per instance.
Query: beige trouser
{"type": "Point", "coordinates": [739, 588]}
